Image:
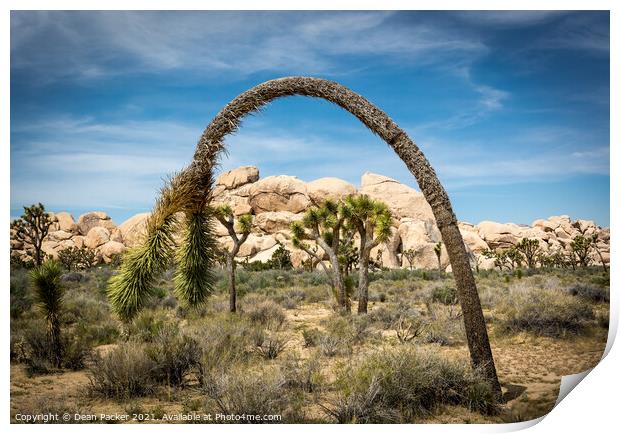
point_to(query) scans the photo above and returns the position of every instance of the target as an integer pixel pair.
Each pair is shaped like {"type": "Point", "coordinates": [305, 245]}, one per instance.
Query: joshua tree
{"type": "Point", "coordinates": [582, 246]}
{"type": "Point", "coordinates": [514, 257]}
{"type": "Point", "coordinates": [191, 190]}
{"type": "Point", "coordinates": [372, 220]}
{"type": "Point", "coordinates": [410, 254]}
{"type": "Point", "coordinates": [530, 249]}
{"type": "Point", "coordinates": [281, 258]}
{"type": "Point", "coordinates": [594, 243]}
{"type": "Point", "coordinates": [437, 250]}
{"type": "Point", "coordinates": [244, 225]}
{"type": "Point", "coordinates": [32, 228]}
{"type": "Point", "coordinates": [349, 255]}
{"type": "Point", "coordinates": [48, 294]}
{"type": "Point", "coordinates": [325, 225]}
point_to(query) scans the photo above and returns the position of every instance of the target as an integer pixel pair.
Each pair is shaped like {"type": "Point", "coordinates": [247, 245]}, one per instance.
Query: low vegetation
{"type": "Point", "coordinates": [287, 352]}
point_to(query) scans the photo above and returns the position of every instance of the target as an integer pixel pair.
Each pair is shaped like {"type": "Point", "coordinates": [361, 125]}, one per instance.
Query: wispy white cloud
{"type": "Point", "coordinates": [91, 45]}
{"type": "Point", "coordinates": [123, 164]}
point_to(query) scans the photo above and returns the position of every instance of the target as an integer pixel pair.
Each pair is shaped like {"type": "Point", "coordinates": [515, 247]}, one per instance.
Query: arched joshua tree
{"type": "Point", "coordinates": [191, 190]}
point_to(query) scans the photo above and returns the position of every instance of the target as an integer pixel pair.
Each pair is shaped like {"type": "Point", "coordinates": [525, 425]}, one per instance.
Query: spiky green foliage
{"type": "Point", "coordinates": [530, 249]}
{"type": "Point", "coordinates": [372, 220]}
{"type": "Point", "coordinates": [48, 294]}
{"type": "Point", "coordinates": [194, 276]}
{"type": "Point", "coordinates": [244, 224]}
{"type": "Point", "coordinates": [582, 247]}
{"type": "Point", "coordinates": [31, 229]}
{"type": "Point", "coordinates": [326, 226]}
{"type": "Point", "coordinates": [129, 290]}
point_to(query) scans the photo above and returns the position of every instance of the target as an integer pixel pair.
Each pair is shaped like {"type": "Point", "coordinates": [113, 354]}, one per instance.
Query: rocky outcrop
{"type": "Point", "coordinates": [133, 229]}
{"type": "Point", "coordinates": [279, 193]}
{"type": "Point", "coordinates": [277, 201]}
{"type": "Point", "coordinates": [329, 188]}
{"type": "Point", "coordinates": [403, 201]}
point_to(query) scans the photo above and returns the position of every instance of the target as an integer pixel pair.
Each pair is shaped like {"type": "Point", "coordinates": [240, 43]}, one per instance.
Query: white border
{"type": "Point", "coordinates": [590, 408]}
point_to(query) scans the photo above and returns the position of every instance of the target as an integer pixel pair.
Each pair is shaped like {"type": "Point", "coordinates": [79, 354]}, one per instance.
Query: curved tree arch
{"type": "Point", "coordinates": [191, 190]}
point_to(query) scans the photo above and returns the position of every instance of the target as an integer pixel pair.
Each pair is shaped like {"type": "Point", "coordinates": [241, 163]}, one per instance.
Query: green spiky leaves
{"type": "Point", "coordinates": [133, 285]}
{"type": "Point", "coordinates": [195, 258]}
{"type": "Point", "coordinates": [47, 288]}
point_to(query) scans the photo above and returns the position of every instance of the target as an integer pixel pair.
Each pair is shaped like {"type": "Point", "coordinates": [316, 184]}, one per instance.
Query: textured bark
{"type": "Point", "coordinates": [232, 289]}
{"type": "Point", "coordinates": [362, 305]}
{"type": "Point", "coordinates": [228, 119]}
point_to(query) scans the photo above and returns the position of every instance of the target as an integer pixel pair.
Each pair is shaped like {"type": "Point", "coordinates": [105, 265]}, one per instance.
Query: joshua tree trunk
{"type": "Point", "coordinates": [53, 337]}
{"type": "Point", "coordinates": [200, 173]}
{"type": "Point", "coordinates": [362, 306]}
{"type": "Point", "coordinates": [232, 289]}
{"type": "Point", "coordinates": [343, 300]}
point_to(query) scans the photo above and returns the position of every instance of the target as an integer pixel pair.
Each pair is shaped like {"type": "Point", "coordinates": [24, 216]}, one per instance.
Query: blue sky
{"type": "Point", "coordinates": [511, 108]}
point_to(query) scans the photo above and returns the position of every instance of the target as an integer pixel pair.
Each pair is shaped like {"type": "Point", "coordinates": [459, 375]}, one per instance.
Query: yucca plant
{"type": "Point", "coordinates": [437, 250]}
{"type": "Point", "coordinates": [239, 235]}
{"type": "Point", "coordinates": [372, 220]}
{"type": "Point", "coordinates": [129, 290]}
{"type": "Point", "coordinates": [48, 294]}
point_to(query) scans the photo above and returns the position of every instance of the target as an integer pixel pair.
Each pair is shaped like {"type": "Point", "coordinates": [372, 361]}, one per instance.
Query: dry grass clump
{"type": "Point", "coordinates": [125, 372]}
{"type": "Point", "coordinates": [592, 293]}
{"type": "Point", "coordinates": [404, 384]}
{"type": "Point", "coordinates": [239, 392]}
{"type": "Point", "coordinates": [266, 313]}
{"type": "Point", "coordinates": [545, 312]}
{"type": "Point", "coordinates": [174, 354]}
{"type": "Point", "coordinates": [225, 340]}
{"type": "Point", "coordinates": [30, 346]}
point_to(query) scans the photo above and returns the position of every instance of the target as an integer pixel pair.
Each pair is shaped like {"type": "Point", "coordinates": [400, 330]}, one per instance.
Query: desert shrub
{"type": "Point", "coordinates": [544, 312]}
{"type": "Point", "coordinates": [21, 299]}
{"type": "Point", "coordinates": [401, 385]}
{"type": "Point", "coordinates": [332, 345]}
{"type": "Point", "coordinates": [174, 355]}
{"type": "Point", "coordinates": [385, 316]}
{"type": "Point", "coordinates": [101, 333]}
{"type": "Point", "coordinates": [270, 347]}
{"type": "Point", "coordinates": [266, 313]}
{"type": "Point", "coordinates": [224, 341]}
{"type": "Point", "coordinates": [147, 325]}
{"type": "Point", "coordinates": [303, 374]}
{"type": "Point", "coordinates": [238, 392]}
{"type": "Point", "coordinates": [83, 307]}
{"type": "Point", "coordinates": [74, 258]}
{"type": "Point", "coordinates": [590, 292]}
{"type": "Point", "coordinates": [125, 372]}
{"type": "Point", "coordinates": [444, 325]}
{"type": "Point", "coordinates": [33, 349]}
{"type": "Point", "coordinates": [444, 295]}
{"type": "Point", "coordinates": [29, 345]}
{"type": "Point", "coordinates": [311, 337]}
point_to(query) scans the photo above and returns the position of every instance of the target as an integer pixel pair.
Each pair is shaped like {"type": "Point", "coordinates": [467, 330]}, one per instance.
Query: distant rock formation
{"type": "Point", "coordinates": [276, 201]}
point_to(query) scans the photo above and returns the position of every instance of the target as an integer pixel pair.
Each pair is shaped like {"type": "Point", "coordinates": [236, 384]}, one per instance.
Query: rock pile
{"type": "Point", "coordinates": [276, 201]}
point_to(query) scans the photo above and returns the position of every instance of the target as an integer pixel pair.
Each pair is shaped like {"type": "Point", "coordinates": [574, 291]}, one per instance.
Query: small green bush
{"type": "Point", "coordinates": [593, 293]}
{"type": "Point", "coordinates": [238, 392]}
{"type": "Point", "coordinates": [404, 384]}
{"type": "Point", "coordinates": [545, 312]}
{"type": "Point", "coordinates": [445, 295]}
{"type": "Point", "coordinates": [266, 313]}
{"type": "Point", "coordinates": [174, 355]}
{"type": "Point", "coordinates": [125, 372]}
